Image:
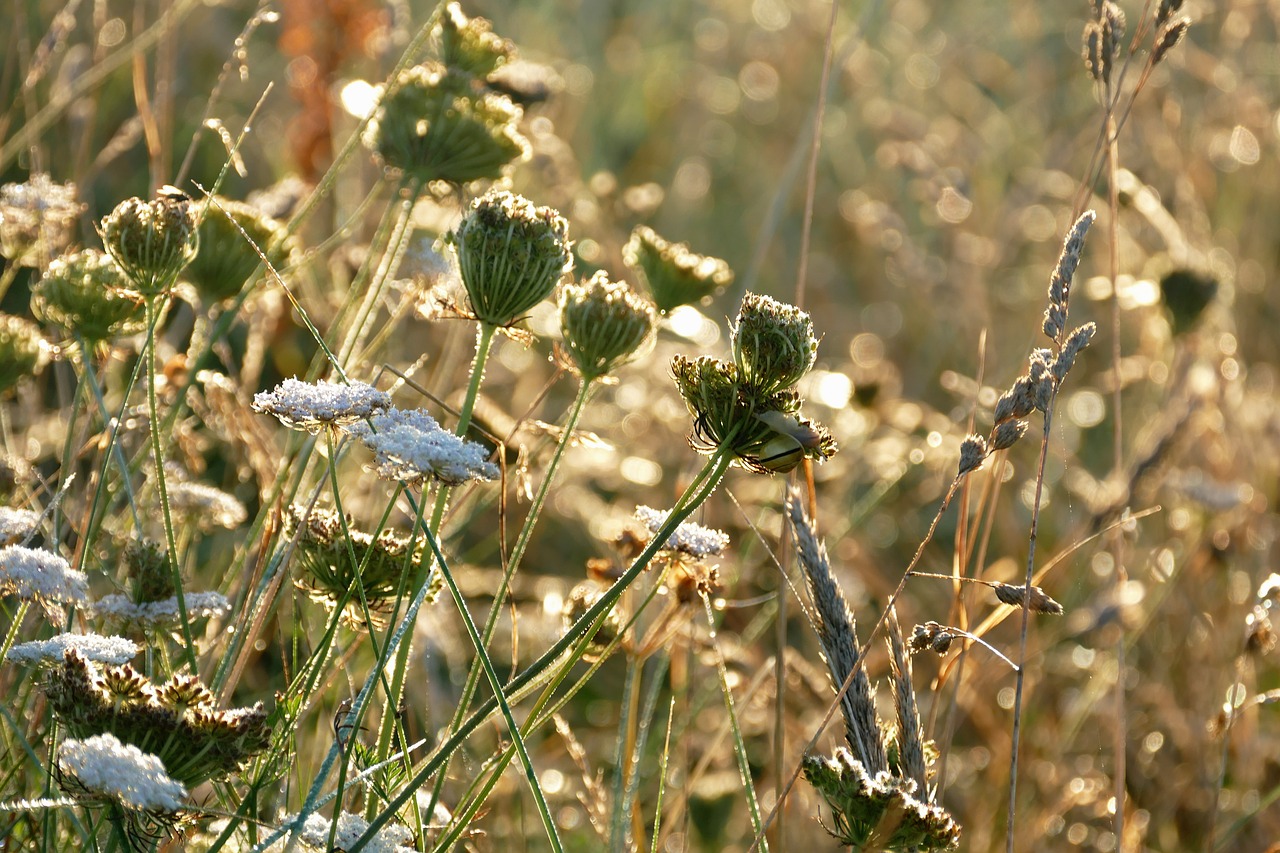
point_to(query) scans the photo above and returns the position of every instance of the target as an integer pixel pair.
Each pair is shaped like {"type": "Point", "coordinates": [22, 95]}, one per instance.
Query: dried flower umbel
{"type": "Point", "coordinates": [232, 233]}
{"type": "Point", "coordinates": [511, 254]}
{"type": "Point", "coordinates": [85, 294]}
{"type": "Point", "coordinates": [433, 125]}
{"type": "Point", "coordinates": [152, 241]}
{"type": "Point", "coordinates": [674, 274]}
{"type": "Point", "coordinates": [605, 325]}
{"type": "Point", "coordinates": [37, 219]}
{"type": "Point", "coordinates": [22, 352]}
{"type": "Point", "coordinates": [176, 721]}
{"type": "Point", "coordinates": [325, 553]}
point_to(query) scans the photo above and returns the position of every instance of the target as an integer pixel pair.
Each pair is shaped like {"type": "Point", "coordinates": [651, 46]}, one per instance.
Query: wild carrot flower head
{"type": "Point", "coordinates": [314, 835]}
{"type": "Point", "coordinates": [17, 525]}
{"type": "Point", "coordinates": [689, 538]}
{"type": "Point", "coordinates": [94, 647]}
{"type": "Point", "coordinates": [511, 254]}
{"type": "Point", "coordinates": [42, 577]}
{"type": "Point", "coordinates": [206, 506]}
{"type": "Point", "coordinates": [433, 125]}
{"type": "Point", "coordinates": [152, 240]}
{"type": "Point", "coordinates": [85, 293]}
{"type": "Point", "coordinates": [605, 324]}
{"type": "Point", "coordinates": [773, 344]}
{"type": "Point", "coordinates": [410, 447]}
{"type": "Point", "coordinates": [102, 767]}
{"type": "Point", "coordinates": [226, 258]}
{"type": "Point", "coordinates": [22, 350]}
{"type": "Point", "coordinates": [674, 274]}
{"type": "Point", "coordinates": [312, 406]}
{"type": "Point", "coordinates": [37, 219]}
{"type": "Point", "coordinates": [159, 613]}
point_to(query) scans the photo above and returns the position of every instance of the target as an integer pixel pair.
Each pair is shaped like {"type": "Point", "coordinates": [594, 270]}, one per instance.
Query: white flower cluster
{"type": "Point", "coordinates": [121, 772]}
{"type": "Point", "coordinates": [121, 608]}
{"type": "Point", "coordinates": [35, 575]}
{"type": "Point", "coordinates": [17, 525]}
{"type": "Point", "coordinates": [314, 835]}
{"type": "Point", "coordinates": [313, 405]}
{"type": "Point", "coordinates": [688, 538]}
{"type": "Point", "coordinates": [409, 446]}
{"type": "Point", "coordinates": [95, 647]}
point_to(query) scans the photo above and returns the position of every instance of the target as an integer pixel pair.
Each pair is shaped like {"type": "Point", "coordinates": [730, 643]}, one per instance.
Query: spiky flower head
{"type": "Point", "coordinates": [152, 241]}
{"type": "Point", "coordinates": [227, 258]}
{"type": "Point", "coordinates": [22, 351]}
{"type": "Point", "coordinates": [674, 274]}
{"type": "Point", "coordinates": [176, 721]}
{"type": "Point", "coordinates": [511, 253]}
{"type": "Point", "coordinates": [84, 293]}
{"type": "Point", "coordinates": [325, 551]}
{"type": "Point", "coordinates": [433, 125]}
{"type": "Point", "coordinates": [469, 45]}
{"type": "Point", "coordinates": [37, 219]}
{"type": "Point", "coordinates": [885, 810]}
{"type": "Point", "coordinates": [773, 344]}
{"type": "Point", "coordinates": [605, 324]}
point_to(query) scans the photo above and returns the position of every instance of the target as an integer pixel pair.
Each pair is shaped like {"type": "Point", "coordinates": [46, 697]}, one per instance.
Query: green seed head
{"type": "Point", "coordinates": [21, 350]}
{"type": "Point", "coordinates": [84, 293]}
{"type": "Point", "coordinates": [674, 274]}
{"type": "Point", "coordinates": [511, 254]}
{"type": "Point", "coordinates": [435, 125]}
{"type": "Point", "coordinates": [469, 45]}
{"type": "Point", "coordinates": [226, 259]}
{"type": "Point", "coordinates": [152, 240]}
{"type": "Point", "coordinates": [773, 344]}
{"type": "Point", "coordinates": [605, 324]}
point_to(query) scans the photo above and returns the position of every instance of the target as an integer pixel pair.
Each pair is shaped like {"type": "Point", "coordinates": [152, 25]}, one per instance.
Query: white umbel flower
{"type": "Point", "coordinates": [312, 405]}
{"type": "Point", "coordinates": [409, 446]}
{"type": "Point", "coordinates": [211, 507]}
{"type": "Point", "coordinates": [17, 525]}
{"type": "Point", "coordinates": [149, 614]}
{"type": "Point", "coordinates": [314, 835]}
{"type": "Point", "coordinates": [105, 767]}
{"type": "Point", "coordinates": [35, 575]}
{"type": "Point", "coordinates": [689, 538]}
{"type": "Point", "coordinates": [95, 647]}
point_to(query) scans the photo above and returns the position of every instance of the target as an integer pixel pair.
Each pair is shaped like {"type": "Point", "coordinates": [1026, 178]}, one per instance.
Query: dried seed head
{"type": "Point", "coordinates": [1033, 598]}
{"type": "Point", "coordinates": [1076, 341]}
{"type": "Point", "coordinates": [434, 126]}
{"type": "Point", "coordinates": [673, 273]}
{"type": "Point", "coordinates": [1093, 51]}
{"type": "Point", "coordinates": [469, 45]}
{"type": "Point", "coordinates": [22, 350]}
{"type": "Point", "coordinates": [973, 450]}
{"type": "Point", "coordinates": [227, 257]}
{"type": "Point", "coordinates": [773, 344]}
{"type": "Point", "coordinates": [1165, 10]}
{"type": "Point", "coordinates": [83, 293]}
{"type": "Point", "coordinates": [581, 599]}
{"type": "Point", "coordinates": [152, 241]}
{"type": "Point", "coordinates": [605, 325]}
{"type": "Point", "coordinates": [1007, 433]}
{"type": "Point", "coordinates": [1018, 402]}
{"type": "Point", "coordinates": [1168, 38]}
{"type": "Point", "coordinates": [511, 254]}
{"type": "Point", "coordinates": [932, 636]}
{"type": "Point", "coordinates": [1064, 272]}
{"type": "Point", "coordinates": [37, 220]}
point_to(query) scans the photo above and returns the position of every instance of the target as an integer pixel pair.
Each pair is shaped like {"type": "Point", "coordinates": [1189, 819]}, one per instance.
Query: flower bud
{"type": "Point", "coordinates": [674, 275]}
{"type": "Point", "coordinates": [227, 259]}
{"type": "Point", "coordinates": [773, 344]}
{"type": "Point", "coordinates": [21, 350]}
{"type": "Point", "coordinates": [605, 324]}
{"type": "Point", "coordinates": [434, 126]}
{"type": "Point", "coordinates": [511, 254]}
{"type": "Point", "coordinates": [83, 293]}
{"type": "Point", "coordinates": [152, 240]}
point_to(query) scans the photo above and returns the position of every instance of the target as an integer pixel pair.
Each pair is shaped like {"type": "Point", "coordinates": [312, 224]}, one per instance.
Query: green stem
{"type": "Point", "coordinates": [513, 562]}
{"type": "Point", "coordinates": [578, 633]}
{"type": "Point", "coordinates": [157, 453]}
